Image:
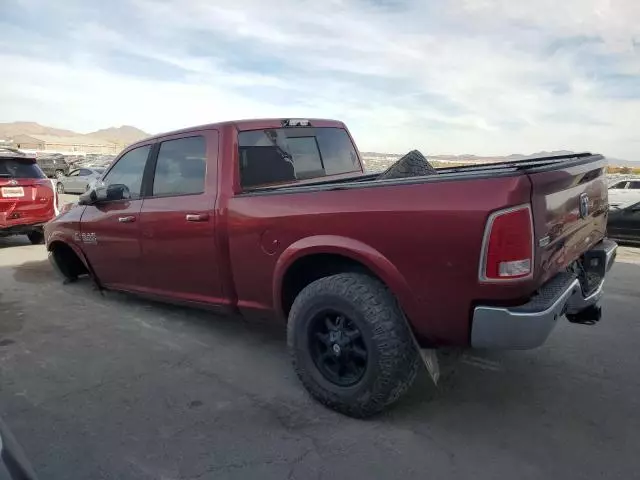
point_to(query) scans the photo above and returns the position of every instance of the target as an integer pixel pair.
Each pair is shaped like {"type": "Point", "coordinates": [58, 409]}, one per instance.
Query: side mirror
{"type": "Point", "coordinates": [105, 193]}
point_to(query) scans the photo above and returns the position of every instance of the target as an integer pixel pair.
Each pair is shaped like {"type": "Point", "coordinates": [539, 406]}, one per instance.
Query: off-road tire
{"type": "Point", "coordinates": [393, 359]}
{"type": "Point", "coordinates": [413, 164]}
{"type": "Point", "coordinates": [36, 237]}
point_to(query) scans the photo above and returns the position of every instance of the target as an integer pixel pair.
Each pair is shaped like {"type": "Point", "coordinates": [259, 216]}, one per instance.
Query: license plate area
{"type": "Point", "coordinates": [12, 192]}
{"type": "Point", "coordinates": [591, 269]}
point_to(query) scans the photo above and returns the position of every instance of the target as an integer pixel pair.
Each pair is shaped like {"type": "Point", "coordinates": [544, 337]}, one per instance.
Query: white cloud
{"type": "Point", "coordinates": [463, 76]}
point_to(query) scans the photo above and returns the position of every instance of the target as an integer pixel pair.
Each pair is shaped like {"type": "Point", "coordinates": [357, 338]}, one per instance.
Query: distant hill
{"type": "Point", "coordinates": [9, 130]}
{"type": "Point", "coordinates": [618, 162]}
{"type": "Point", "coordinates": [123, 135]}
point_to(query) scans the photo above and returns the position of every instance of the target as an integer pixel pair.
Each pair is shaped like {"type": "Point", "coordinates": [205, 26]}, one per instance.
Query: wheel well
{"type": "Point", "coordinates": [313, 267]}
{"type": "Point", "coordinates": [67, 260]}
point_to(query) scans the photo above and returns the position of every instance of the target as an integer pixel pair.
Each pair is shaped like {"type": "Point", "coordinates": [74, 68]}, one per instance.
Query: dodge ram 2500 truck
{"type": "Point", "coordinates": [277, 217]}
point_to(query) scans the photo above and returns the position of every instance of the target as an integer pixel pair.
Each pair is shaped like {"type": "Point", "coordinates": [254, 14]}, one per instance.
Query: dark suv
{"type": "Point", "coordinates": [54, 165]}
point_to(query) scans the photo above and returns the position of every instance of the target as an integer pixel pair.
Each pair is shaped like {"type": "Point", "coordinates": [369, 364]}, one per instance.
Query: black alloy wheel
{"type": "Point", "coordinates": [351, 345]}
{"type": "Point", "coordinates": [337, 348]}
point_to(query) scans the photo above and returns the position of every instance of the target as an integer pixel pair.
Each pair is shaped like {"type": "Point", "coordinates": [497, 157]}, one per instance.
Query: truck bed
{"type": "Point", "coordinates": [426, 230]}
{"type": "Point", "coordinates": [463, 172]}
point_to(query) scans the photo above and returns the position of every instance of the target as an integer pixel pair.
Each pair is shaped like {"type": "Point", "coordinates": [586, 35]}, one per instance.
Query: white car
{"type": "Point", "coordinates": [624, 192]}
{"type": "Point", "coordinates": [79, 180]}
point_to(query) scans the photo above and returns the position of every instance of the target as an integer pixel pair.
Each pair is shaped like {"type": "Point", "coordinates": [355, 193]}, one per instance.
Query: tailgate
{"type": "Point", "coordinates": [569, 201]}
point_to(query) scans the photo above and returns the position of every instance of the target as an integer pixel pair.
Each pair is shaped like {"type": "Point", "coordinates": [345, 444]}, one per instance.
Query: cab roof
{"type": "Point", "coordinates": [250, 124]}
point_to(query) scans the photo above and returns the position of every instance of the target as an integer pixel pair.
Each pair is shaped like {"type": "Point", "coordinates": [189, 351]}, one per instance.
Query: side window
{"type": "Point", "coordinates": [634, 185]}
{"type": "Point", "coordinates": [128, 170]}
{"type": "Point", "coordinates": [618, 186]}
{"type": "Point", "coordinates": [181, 167]}
{"type": "Point", "coordinates": [75, 173]}
{"type": "Point", "coordinates": [84, 172]}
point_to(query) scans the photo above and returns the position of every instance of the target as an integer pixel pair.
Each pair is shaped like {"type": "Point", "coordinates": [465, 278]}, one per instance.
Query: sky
{"type": "Point", "coordinates": [487, 77]}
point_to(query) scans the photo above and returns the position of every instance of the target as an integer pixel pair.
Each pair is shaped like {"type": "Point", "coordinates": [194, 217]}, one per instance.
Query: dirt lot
{"type": "Point", "coordinates": [115, 387]}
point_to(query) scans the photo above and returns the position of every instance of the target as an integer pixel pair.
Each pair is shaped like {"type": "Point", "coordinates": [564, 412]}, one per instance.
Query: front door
{"type": "Point", "coordinates": [177, 221]}
{"type": "Point", "coordinates": [110, 230]}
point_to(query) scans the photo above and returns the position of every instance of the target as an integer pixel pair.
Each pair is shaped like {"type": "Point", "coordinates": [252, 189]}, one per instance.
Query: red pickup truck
{"type": "Point", "coordinates": [278, 218]}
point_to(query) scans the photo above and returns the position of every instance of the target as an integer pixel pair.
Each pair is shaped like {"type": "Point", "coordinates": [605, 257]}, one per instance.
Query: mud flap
{"type": "Point", "coordinates": [92, 275]}
{"type": "Point", "coordinates": [429, 357]}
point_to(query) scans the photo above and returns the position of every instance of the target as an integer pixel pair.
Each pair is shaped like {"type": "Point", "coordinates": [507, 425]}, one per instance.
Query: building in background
{"type": "Point", "coordinates": [66, 145]}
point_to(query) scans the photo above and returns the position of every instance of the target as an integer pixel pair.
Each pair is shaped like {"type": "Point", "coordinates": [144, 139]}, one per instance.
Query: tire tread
{"type": "Point", "coordinates": [398, 358]}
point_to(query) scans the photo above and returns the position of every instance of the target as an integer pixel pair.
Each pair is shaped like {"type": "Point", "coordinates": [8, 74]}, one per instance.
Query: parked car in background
{"type": "Point", "coordinates": [53, 166]}
{"type": "Point", "coordinates": [624, 222]}
{"type": "Point", "coordinates": [27, 197]}
{"type": "Point", "coordinates": [622, 193]}
{"type": "Point", "coordinates": [79, 180]}
{"type": "Point", "coordinates": [277, 218]}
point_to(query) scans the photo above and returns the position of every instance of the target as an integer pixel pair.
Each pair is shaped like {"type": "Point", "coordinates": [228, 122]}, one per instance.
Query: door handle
{"type": "Point", "coordinates": [197, 217]}
{"type": "Point", "coordinates": [129, 219]}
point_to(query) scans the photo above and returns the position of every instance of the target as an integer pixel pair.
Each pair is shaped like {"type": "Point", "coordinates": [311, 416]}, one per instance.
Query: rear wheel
{"type": "Point", "coordinates": [351, 345]}
{"type": "Point", "coordinates": [60, 187]}
{"type": "Point", "coordinates": [36, 237]}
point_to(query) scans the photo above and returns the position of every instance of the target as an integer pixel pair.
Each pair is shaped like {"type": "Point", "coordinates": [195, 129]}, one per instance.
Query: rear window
{"type": "Point", "coordinates": [288, 154]}
{"type": "Point", "coordinates": [19, 168]}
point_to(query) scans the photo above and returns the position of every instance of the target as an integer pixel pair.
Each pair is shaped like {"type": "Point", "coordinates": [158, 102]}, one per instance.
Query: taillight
{"type": "Point", "coordinates": [507, 248]}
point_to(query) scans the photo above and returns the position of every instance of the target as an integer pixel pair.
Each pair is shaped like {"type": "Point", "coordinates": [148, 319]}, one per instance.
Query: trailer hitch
{"type": "Point", "coordinates": [589, 316]}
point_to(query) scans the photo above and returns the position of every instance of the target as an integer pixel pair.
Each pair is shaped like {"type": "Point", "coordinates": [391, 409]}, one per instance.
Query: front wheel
{"type": "Point", "coordinates": [351, 345]}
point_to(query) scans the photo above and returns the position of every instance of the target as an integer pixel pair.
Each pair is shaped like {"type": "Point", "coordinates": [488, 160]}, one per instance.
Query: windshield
{"type": "Point", "coordinates": [15, 168]}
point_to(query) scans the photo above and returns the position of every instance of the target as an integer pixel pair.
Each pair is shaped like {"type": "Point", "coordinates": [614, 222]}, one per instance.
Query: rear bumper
{"type": "Point", "coordinates": [528, 326]}
{"type": "Point", "coordinates": [21, 229]}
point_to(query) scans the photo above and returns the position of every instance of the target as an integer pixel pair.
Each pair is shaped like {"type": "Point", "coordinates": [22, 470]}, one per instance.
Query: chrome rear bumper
{"type": "Point", "coordinates": [528, 326]}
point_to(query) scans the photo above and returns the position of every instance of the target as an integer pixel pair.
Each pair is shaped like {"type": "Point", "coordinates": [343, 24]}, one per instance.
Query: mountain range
{"type": "Point", "coordinates": [382, 160]}
{"type": "Point", "coordinates": [127, 134]}
{"type": "Point", "coordinates": [123, 135]}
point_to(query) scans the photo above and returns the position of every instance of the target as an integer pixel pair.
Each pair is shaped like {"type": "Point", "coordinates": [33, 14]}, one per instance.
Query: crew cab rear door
{"type": "Point", "coordinates": [110, 230]}
{"type": "Point", "coordinates": [177, 220]}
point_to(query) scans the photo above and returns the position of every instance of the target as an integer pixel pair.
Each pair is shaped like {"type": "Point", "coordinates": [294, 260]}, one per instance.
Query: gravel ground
{"type": "Point", "coordinates": [113, 387]}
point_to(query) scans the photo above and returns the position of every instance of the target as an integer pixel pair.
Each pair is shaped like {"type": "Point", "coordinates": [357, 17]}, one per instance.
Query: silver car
{"type": "Point", "coordinates": [79, 180]}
